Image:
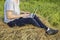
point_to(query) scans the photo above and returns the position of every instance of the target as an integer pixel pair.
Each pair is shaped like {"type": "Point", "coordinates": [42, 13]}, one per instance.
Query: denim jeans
{"type": "Point", "coordinates": [33, 19]}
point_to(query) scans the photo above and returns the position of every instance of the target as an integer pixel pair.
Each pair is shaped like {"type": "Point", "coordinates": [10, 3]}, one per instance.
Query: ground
{"type": "Point", "coordinates": [27, 32]}
{"type": "Point", "coordinates": [46, 9]}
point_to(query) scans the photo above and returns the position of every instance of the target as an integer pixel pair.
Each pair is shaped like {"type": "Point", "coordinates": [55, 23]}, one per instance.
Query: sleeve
{"type": "Point", "coordinates": [10, 6]}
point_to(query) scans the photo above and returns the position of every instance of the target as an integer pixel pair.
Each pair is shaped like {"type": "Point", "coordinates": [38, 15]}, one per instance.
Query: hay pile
{"type": "Point", "coordinates": [27, 32]}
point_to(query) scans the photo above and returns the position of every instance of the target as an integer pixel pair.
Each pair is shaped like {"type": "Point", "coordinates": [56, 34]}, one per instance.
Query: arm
{"type": "Point", "coordinates": [11, 16]}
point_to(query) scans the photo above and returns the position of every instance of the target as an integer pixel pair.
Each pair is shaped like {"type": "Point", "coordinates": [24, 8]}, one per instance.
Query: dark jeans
{"type": "Point", "coordinates": [30, 20]}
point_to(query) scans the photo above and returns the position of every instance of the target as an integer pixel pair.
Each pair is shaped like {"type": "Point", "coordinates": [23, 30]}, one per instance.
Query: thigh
{"type": "Point", "coordinates": [29, 21]}
{"type": "Point", "coordinates": [22, 21]}
{"type": "Point", "coordinates": [25, 20]}
{"type": "Point", "coordinates": [16, 22]}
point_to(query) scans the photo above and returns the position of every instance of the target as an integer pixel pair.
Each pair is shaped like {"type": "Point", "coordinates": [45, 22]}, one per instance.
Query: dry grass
{"type": "Point", "coordinates": [27, 32]}
{"type": "Point", "coordinates": [30, 32]}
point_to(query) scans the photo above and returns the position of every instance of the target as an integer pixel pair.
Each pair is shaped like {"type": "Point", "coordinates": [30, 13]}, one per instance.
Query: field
{"type": "Point", "coordinates": [47, 10]}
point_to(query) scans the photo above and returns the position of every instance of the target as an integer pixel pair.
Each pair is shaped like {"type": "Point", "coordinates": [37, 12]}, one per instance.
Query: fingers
{"type": "Point", "coordinates": [26, 15]}
{"type": "Point", "coordinates": [27, 12]}
{"type": "Point", "coordinates": [23, 12]}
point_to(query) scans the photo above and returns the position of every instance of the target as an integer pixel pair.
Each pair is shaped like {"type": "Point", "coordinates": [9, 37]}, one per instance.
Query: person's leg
{"type": "Point", "coordinates": [35, 21]}
{"type": "Point", "coordinates": [27, 21]}
{"type": "Point", "coordinates": [40, 22]}
{"type": "Point", "coordinates": [22, 21]}
{"type": "Point", "coordinates": [16, 22]}
{"type": "Point", "coordinates": [49, 31]}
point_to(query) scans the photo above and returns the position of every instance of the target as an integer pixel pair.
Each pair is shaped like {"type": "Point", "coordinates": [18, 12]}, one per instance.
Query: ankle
{"type": "Point", "coordinates": [48, 29]}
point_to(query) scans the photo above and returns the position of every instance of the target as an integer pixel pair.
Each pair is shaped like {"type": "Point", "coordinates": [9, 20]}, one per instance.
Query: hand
{"type": "Point", "coordinates": [25, 15]}
{"type": "Point", "coordinates": [27, 12]}
{"type": "Point", "coordinates": [22, 12]}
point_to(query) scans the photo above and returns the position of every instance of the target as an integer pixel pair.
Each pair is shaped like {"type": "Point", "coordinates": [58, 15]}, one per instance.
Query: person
{"type": "Point", "coordinates": [14, 17]}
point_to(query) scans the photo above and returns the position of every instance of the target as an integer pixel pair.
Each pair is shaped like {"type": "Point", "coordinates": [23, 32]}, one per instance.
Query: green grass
{"type": "Point", "coordinates": [49, 9]}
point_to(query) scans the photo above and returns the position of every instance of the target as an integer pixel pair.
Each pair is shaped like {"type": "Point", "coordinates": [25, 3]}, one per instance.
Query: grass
{"type": "Point", "coordinates": [49, 9]}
